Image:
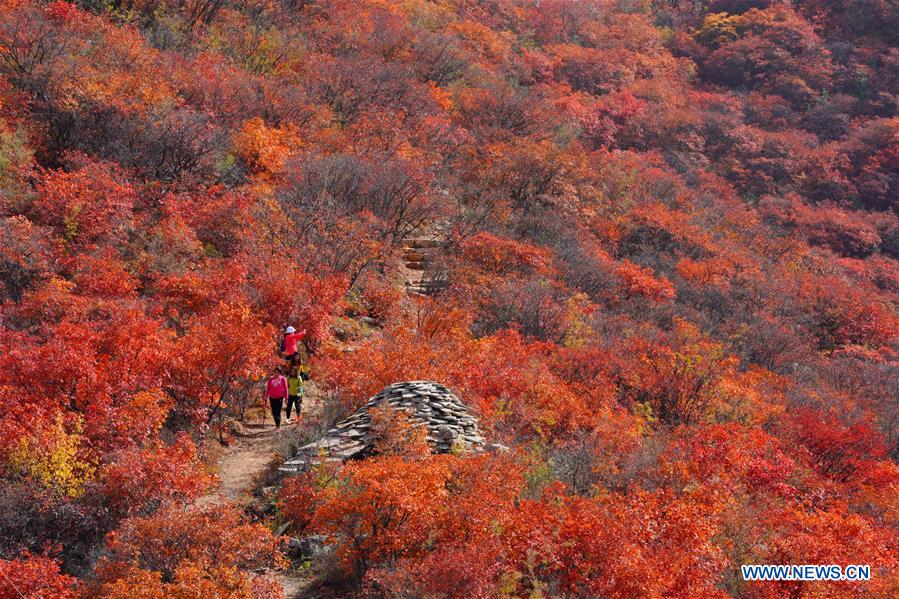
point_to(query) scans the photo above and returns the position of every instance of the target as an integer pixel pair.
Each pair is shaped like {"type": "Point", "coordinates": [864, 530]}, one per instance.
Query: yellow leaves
{"type": "Point", "coordinates": [70, 222]}
{"type": "Point", "coordinates": [14, 153]}
{"type": "Point", "coordinates": [718, 28]}
{"type": "Point", "coordinates": [430, 14]}
{"type": "Point", "coordinates": [265, 149]}
{"type": "Point", "coordinates": [648, 420]}
{"type": "Point", "coordinates": [578, 309]}
{"type": "Point", "coordinates": [52, 458]}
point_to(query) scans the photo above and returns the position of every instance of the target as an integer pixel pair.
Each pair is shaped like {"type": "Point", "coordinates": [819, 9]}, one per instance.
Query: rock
{"type": "Point", "coordinates": [446, 433]}
{"type": "Point", "coordinates": [308, 547]}
{"type": "Point", "coordinates": [428, 404]}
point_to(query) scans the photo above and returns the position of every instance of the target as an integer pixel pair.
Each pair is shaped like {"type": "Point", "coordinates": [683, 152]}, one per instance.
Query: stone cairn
{"type": "Point", "coordinates": [428, 404]}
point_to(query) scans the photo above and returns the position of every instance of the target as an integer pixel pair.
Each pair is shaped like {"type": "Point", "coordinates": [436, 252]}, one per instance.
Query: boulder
{"type": "Point", "coordinates": [308, 547]}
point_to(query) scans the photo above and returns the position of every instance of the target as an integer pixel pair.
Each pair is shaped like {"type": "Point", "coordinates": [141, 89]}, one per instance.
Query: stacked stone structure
{"type": "Point", "coordinates": [448, 421]}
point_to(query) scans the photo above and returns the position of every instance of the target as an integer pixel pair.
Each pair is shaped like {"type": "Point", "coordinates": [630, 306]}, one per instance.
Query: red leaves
{"type": "Point", "coordinates": [845, 233]}
{"type": "Point", "coordinates": [218, 352]}
{"type": "Point", "coordinates": [501, 256]}
{"type": "Point", "coordinates": [639, 280]}
{"type": "Point", "coordinates": [104, 276]}
{"type": "Point", "coordinates": [27, 254]}
{"type": "Point", "coordinates": [842, 315]}
{"type": "Point", "coordinates": [773, 49]}
{"type": "Point", "coordinates": [89, 206]}
{"type": "Point", "coordinates": [217, 216]}
{"type": "Point", "coordinates": [287, 294]}
{"type": "Point", "coordinates": [139, 479]}
{"type": "Point", "coordinates": [839, 451]}
{"type": "Point", "coordinates": [36, 576]}
{"type": "Point", "coordinates": [63, 11]}
{"type": "Point", "coordinates": [187, 553]}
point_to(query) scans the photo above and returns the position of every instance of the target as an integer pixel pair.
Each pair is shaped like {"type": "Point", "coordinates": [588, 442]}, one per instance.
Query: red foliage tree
{"type": "Point", "coordinates": [181, 552]}
{"type": "Point", "coordinates": [36, 576]}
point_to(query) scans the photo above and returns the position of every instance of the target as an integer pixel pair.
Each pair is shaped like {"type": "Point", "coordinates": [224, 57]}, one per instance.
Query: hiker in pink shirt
{"type": "Point", "coordinates": [275, 392]}
{"type": "Point", "coordinates": [289, 344]}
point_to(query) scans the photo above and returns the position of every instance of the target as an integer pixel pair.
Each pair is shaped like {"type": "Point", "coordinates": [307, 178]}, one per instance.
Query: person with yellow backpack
{"type": "Point", "coordinates": [295, 379]}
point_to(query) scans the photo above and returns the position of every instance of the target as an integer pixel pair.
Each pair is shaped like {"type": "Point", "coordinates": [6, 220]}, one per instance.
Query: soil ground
{"type": "Point", "coordinates": [248, 456]}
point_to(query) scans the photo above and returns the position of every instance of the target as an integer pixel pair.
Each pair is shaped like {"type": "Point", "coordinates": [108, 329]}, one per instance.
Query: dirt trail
{"type": "Point", "coordinates": [249, 455]}
{"type": "Point", "coordinates": [240, 463]}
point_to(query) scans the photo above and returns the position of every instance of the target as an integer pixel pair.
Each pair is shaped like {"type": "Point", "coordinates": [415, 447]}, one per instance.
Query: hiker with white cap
{"type": "Point", "coordinates": [289, 344]}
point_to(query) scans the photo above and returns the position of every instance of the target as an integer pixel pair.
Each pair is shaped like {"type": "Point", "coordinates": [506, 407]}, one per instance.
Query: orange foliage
{"type": "Point", "coordinates": [666, 281]}
{"type": "Point", "coordinates": [265, 149]}
{"type": "Point", "coordinates": [181, 553]}
{"type": "Point", "coordinates": [393, 508]}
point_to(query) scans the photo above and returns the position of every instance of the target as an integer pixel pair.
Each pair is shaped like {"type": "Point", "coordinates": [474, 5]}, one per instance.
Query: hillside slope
{"type": "Point", "coordinates": [667, 267]}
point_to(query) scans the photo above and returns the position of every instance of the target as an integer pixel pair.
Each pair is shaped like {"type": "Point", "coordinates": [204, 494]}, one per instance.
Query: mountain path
{"type": "Point", "coordinates": [421, 260]}
{"type": "Point", "coordinates": [239, 466]}
{"type": "Point", "coordinates": [240, 463]}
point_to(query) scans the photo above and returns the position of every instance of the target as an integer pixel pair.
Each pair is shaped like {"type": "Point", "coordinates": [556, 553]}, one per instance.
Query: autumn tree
{"type": "Point", "coordinates": [190, 551]}
{"type": "Point", "coordinates": [218, 351]}
{"type": "Point", "coordinates": [36, 576]}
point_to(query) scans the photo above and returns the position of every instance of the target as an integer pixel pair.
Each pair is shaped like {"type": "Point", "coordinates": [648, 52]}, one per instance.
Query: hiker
{"type": "Point", "coordinates": [295, 390]}
{"type": "Point", "coordinates": [289, 344]}
{"type": "Point", "coordinates": [275, 392]}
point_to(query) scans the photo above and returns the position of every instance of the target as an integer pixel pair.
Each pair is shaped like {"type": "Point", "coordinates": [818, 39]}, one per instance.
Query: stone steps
{"type": "Point", "coordinates": [424, 287]}
{"type": "Point", "coordinates": [422, 242]}
{"type": "Point", "coordinates": [419, 256]}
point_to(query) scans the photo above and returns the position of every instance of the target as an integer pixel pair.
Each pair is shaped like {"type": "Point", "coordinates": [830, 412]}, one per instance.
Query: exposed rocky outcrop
{"type": "Point", "coordinates": [427, 404]}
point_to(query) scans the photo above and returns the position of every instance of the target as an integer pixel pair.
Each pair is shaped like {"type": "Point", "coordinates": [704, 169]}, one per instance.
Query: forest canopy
{"type": "Point", "coordinates": [667, 285]}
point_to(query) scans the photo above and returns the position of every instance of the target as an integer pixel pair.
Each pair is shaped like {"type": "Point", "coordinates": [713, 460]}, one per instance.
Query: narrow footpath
{"type": "Point", "coordinates": [240, 465]}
